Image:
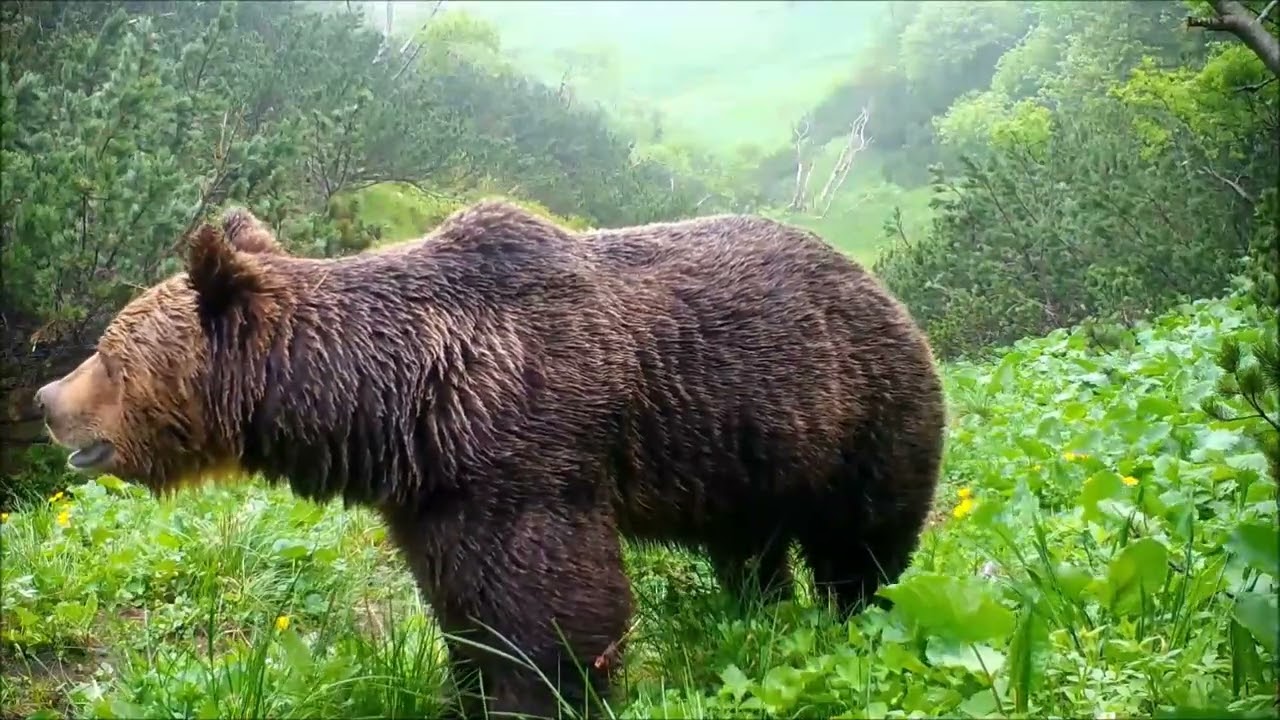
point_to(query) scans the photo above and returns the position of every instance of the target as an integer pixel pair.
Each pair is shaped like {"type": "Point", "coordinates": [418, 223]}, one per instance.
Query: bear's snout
{"type": "Point", "coordinates": [46, 399]}
{"type": "Point", "coordinates": [51, 403]}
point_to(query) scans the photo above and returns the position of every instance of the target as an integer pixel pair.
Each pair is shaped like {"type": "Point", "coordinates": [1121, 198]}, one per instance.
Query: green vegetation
{"type": "Point", "coordinates": [293, 122]}
{"type": "Point", "coordinates": [1098, 179]}
{"type": "Point", "coordinates": [404, 211]}
{"type": "Point", "coordinates": [1103, 545]}
{"type": "Point", "coordinates": [704, 106]}
{"type": "Point", "coordinates": [1077, 200]}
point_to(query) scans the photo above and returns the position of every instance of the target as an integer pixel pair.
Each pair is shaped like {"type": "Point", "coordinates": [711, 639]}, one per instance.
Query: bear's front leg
{"type": "Point", "coordinates": [548, 581]}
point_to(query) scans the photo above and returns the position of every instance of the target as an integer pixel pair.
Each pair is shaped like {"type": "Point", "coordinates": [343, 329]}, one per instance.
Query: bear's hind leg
{"type": "Point", "coordinates": [850, 567]}
{"type": "Point", "coordinates": [853, 555]}
{"type": "Point", "coordinates": [754, 568]}
{"type": "Point", "coordinates": [862, 535]}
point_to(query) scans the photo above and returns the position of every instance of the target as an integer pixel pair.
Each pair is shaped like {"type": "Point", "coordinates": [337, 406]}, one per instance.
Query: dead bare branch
{"type": "Point", "coordinates": [855, 143]}
{"type": "Point", "coordinates": [418, 48]}
{"type": "Point", "coordinates": [804, 164]}
{"type": "Point", "coordinates": [1232, 17]}
{"type": "Point", "coordinates": [1267, 11]}
{"type": "Point", "coordinates": [1233, 184]}
{"type": "Point", "coordinates": [434, 9]}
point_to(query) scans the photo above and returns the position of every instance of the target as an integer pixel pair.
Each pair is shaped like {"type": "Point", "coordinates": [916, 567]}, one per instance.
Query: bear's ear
{"type": "Point", "coordinates": [247, 233]}
{"type": "Point", "coordinates": [221, 276]}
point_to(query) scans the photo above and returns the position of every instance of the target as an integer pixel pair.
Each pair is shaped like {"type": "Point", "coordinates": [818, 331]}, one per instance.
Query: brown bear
{"type": "Point", "coordinates": [514, 398]}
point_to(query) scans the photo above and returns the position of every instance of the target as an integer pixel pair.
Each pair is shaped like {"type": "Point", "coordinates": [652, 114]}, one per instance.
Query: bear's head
{"type": "Point", "coordinates": [151, 405]}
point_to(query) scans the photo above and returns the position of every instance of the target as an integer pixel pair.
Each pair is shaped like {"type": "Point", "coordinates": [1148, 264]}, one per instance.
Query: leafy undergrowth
{"type": "Point", "coordinates": [1103, 548]}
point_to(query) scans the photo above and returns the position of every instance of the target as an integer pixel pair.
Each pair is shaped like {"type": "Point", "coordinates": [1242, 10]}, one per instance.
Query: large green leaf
{"type": "Point", "coordinates": [960, 609]}
{"type": "Point", "coordinates": [1136, 575]}
{"type": "Point", "coordinates": [1258, 544]}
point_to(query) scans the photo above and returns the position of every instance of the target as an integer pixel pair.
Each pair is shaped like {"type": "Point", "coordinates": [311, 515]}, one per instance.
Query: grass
{"type": "Point", "coordinates": [403, 211]}
{"type": "Point", "coordinates": [1102, 548]}
{"type": "Point", "coordinates": [727, 75]}
{"type": "Point", "coordinates": [406, 213]}
{"type": "Point", "coordinates": [854, 223]}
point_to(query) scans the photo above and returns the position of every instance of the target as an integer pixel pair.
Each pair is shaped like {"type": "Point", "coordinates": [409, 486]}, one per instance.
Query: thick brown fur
{"type": "Point", "coordinates": [514, 398]}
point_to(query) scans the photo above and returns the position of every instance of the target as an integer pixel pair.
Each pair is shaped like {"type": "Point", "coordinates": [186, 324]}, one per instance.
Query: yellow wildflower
{"type": "Point", "coordinates": [966, 504]}
{"type": "Point", "coordinates": [1129, 480]}
{"type": "Point", "coordinates": [4, 517]}
{"type": "Point", "coordinates": [965, 493]}
{"type": "Point", "coordinates": [1070, 456]}
{"type": "Point", "coordinates": [282, 623]}
{"type": "Point", "coordinates": [64, 517]}
{"type": "Point", "coordinates": [56, 497]}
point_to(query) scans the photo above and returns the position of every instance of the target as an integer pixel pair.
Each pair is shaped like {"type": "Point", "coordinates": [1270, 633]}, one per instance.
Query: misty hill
{"type": "Point", "coordinates": [721, 74]}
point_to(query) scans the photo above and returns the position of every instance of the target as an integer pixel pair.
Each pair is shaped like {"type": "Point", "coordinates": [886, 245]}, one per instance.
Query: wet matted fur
{"type": "Point", "coordinates": [514, 398]}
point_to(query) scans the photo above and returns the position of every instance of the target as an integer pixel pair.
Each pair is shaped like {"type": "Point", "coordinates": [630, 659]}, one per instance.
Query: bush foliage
{"type": "Point", "coordinates": [125, 123]}
{"type": "Point", "coordinates": [1109, 181]}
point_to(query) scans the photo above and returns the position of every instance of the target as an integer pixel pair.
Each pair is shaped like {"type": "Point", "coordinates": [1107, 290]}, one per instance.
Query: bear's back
{"type": "Point", "coordinates": [762, 350]}
{"type": "Point", "coordinates": [717, 245]}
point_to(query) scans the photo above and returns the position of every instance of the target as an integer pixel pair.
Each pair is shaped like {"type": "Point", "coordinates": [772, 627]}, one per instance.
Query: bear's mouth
{"type": "Point", "coordinates": [95, 454]}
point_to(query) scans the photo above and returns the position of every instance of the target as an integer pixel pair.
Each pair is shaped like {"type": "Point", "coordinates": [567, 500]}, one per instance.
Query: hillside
{"type": "Point", "coordinates": [721, 78]}
{"type": "Point", "coordinates": [721, 74]}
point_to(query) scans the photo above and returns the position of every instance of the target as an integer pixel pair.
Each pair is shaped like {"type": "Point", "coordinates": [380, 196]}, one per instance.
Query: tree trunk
{"type": "Point", "coordinates": [855, 143]}
{"type": "Point", "coordinates": [1234, 18]}
{"type": "Point", "coordinates": [799, 200]}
